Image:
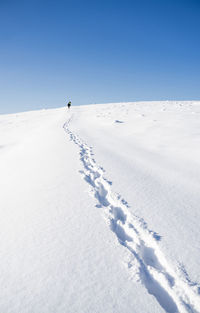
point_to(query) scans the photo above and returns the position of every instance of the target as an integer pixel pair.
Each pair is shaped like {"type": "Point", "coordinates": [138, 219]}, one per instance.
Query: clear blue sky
{"type": "Point", "coordinates": [97, 51]}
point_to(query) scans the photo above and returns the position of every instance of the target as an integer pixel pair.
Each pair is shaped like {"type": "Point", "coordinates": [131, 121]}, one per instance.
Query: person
{"type": "Point", "coordinates": [69, 104]}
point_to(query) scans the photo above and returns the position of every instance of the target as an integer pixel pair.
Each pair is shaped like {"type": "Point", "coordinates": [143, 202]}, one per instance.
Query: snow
{"type": "Point", "coordinates": [99, 209]}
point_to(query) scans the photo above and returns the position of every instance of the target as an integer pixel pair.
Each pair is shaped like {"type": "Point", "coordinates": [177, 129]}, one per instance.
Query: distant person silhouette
{"type": "Point", "coordinates": [69, 104]}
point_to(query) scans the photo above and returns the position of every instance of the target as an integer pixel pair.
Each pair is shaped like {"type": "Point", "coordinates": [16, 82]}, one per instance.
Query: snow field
{"type": "Point", "coordinates": [125, 237]}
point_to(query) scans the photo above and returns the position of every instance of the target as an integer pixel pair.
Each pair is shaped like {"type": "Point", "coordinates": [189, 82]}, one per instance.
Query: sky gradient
{"type": "Point", "coordinates": [97, 52]}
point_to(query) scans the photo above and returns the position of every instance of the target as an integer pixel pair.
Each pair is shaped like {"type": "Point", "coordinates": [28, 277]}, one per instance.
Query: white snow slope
{"type": "Point", "coordinates": [99, 209]}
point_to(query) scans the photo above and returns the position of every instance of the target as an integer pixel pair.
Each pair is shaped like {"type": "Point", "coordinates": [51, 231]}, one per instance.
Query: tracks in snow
{"type": "Point", "coordinates": [173, 291]}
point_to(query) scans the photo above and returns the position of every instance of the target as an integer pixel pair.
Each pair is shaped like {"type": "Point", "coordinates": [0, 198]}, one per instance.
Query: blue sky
{"type": "Point", "coordinates": [97, 51]}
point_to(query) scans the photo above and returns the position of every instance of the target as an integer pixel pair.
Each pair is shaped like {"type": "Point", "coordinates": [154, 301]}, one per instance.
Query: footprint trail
{"type": "Point", "coordinates": [172, 289]}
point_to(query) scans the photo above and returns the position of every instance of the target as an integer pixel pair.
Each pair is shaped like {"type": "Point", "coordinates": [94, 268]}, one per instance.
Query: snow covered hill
{"type": "Point", "coordinates": [99, 209]}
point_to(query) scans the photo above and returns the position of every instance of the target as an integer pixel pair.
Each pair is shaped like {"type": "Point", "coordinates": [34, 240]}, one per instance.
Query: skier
{"type": "Point", "coordinates": [69, 104]}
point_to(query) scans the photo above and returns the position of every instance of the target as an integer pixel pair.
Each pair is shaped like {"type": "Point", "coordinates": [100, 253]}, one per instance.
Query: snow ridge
{"type": "Point", "coordinates": [173, 290]}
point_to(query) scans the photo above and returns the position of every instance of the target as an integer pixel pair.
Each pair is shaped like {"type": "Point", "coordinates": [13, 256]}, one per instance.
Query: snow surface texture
{"type": "Point", "coordinates": [149, 150]}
